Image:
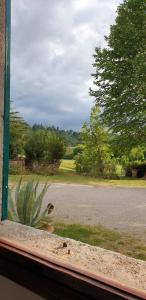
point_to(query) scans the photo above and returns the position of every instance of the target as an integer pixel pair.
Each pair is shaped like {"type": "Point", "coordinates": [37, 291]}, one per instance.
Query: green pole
{"type": "Point", "coordinates": [6, 109]}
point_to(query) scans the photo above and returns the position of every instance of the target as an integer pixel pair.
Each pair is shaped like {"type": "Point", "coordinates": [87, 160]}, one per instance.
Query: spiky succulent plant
{"type": "Point", "coordinates": [25, 205]}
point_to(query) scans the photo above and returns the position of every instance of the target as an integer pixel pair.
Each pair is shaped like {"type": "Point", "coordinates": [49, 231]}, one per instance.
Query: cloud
{"type": "Point", "coordinates": [51, 58]}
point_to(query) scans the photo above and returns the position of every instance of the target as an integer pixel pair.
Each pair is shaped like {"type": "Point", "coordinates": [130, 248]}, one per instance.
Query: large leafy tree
{"type": "Point", "coordinates": [120, 75]}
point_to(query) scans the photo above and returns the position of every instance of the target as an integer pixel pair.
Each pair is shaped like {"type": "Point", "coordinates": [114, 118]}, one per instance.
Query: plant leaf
{"type": "Point", "coordinates": [20, 203]}
{"type": "Point", "coordinates": [18, 188]}
{"type": "Point", "coordinates": [38, 204]}
{"type": "Point", "coordinates": [41, 217]}
{"type": "Point", "coordinates": [12, 214]}
{"type": "Point", "coordinates": [29, 199]}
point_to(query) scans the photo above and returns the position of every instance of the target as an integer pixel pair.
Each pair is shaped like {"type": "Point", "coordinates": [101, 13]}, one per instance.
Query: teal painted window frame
{"type": "Point", "coordinates": [6, 109]}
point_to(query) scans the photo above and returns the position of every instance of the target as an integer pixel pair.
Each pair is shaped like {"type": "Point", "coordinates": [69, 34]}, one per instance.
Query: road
{"type": "Point", "coordinates": [114, 207]}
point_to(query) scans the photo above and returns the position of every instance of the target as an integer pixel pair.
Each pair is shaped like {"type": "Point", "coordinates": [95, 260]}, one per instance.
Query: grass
{"type": "Point", "coordinates": [67, 174]}
{"type": "Point", "coordinates": [67, 165]}
{"type": "Point", "coordinates": [104, 238]}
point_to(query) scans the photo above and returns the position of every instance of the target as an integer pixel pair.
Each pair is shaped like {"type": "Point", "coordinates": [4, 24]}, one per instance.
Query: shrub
{"type": "Point", "coordinates": [25, 205]}
{"type": "Point", "coordinates": [44, 168]}
{"type": "Point", "coordinates": [69, 153]}
{"type": "Point", "coordinates": [111, 169]}
{"type": "Point", "coordinates": [78, 149]}
{"type": "Point", "coordinates": [94, 157]}
{"type": "Point", "coordinates": [17, 167]}
{"type": "Point", "coordinates": [44, 147]}
{"type": "Point", "coordinates": [82, 164]}
{"type": "Point", "coordinates": [15, 170]}
{"type": "Point", "coordinates": [137, 166]}
{"type": "Point", "coordinates": [96, 163]}
{"type": "Point", "coordinates": [135, 162]}
{"type": "Point", "coordinates": [136, 154]}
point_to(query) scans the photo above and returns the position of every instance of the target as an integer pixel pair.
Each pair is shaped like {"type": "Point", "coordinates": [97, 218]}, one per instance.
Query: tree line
{"type": "Point", "coordinates": [34, 144]}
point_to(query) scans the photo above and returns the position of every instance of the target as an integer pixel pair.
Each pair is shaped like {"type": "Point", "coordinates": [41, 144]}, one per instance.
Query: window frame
{"type": "Point", "coordinates": [65, 279]}
{"type": "Point", "coordinates": [6, 109]}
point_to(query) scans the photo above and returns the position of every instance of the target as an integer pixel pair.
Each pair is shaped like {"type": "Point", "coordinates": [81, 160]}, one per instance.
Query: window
{"type": "Point", "coordinates": [57, 279]}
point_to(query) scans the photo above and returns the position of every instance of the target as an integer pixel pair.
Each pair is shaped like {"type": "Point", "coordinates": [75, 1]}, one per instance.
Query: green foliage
{"type": "Point", "coordinates": [136, 154]}
{"type": "Point", "coordinates": [134, 158]}
{"type": "Point", "coordinates": [135, 161]}
{"type": "Point", "coordinates": [15, 170]}
{"type": "Point", "coordinates": [70, 137]}
{"type": "Point", "coordinates": [97, 164]}
{"type": "Point", "coordinates": [96, 157]}
{"type": "Point", "coordinates": [120, 75]}
{"type": "Point", "coordinates": [78, 149]}
{"type": "Point", "coordinates": [18, 134]}
{"type": "Point", "coordinates": [44, 146]}
{"type": "Point", "coordinates": [21, 134]}
{"type": "Point", "coordinates": [25, 205]}
{"type": "Point", "coordinates": [69, 153]}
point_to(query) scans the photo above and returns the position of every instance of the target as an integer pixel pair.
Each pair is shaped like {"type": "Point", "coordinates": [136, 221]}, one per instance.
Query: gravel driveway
{"type": "Point", "coordinates": [114, 207]}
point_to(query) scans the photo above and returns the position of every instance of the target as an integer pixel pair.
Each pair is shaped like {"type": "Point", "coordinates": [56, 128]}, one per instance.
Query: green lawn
{"type": "Point", "coordinates": [67, 175]}
{"type": "Point", "coordinates": [104, 238]}
{"type": "Point", "coordinates": [67, 165]}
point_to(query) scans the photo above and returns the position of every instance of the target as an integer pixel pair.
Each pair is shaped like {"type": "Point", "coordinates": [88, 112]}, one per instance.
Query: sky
{"type": "Point", "coordinates": [52, 47]}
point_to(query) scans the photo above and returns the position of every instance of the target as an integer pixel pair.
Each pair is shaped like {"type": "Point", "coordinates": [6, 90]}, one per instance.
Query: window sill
{"type": "Point", "coordinates": [82, 261]}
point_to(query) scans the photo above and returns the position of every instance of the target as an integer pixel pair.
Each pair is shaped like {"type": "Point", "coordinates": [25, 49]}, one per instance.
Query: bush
{"type": "Point", "coordinates": [82, 164]}
{"type": "Point", "coordinates": [112, 169]}
{"type": "Point", "coordinates": [94, 157]}
{"type": "Point", "coordinates": [15, 170]}
{"type": "Point", "coordinates": [90, 163]}
{"type": "Point", "coordinates": [78, 149]}
{"type": "Point", "coordinates": [135, 163]}
{"type": "Point", "coordinates": [43, 168]}
{"type": "Point", "coordinates": [69, 153]}
{"type": "Point", "coordinates": [44, 148]}
{"type": "Point", "coordinates": [137, 166]}
{"type": "Point", "coordinates": [25, 205]}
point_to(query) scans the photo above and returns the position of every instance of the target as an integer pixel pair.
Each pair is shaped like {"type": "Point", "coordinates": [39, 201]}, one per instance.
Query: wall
{"type": "Point", "coordinates": [12, 291]}
{"type": "Point", "coordinates": [2, 64]}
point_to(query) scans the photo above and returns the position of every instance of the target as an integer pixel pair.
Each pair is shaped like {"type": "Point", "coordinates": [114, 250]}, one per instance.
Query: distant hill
{"type": "Point", "coordinates": [71, 137]}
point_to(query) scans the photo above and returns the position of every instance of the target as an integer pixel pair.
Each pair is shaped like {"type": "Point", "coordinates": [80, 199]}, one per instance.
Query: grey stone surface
{"type": "Point", "coordinates": [2, 65]}
{"type": "Point", "coordinates": [125, 270]}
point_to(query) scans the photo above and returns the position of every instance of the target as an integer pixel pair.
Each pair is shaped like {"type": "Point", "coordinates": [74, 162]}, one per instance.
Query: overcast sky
{"type": "Point", "coordinates": [51, 59]}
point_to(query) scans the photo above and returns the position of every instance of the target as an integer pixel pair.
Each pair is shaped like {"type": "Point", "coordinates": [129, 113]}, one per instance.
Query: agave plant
{"type": "Point", "coordinates": [25, 205]}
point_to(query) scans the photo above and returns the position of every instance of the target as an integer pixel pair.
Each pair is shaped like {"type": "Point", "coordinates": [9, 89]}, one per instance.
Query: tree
{"type": "Point", "coordinates": [44, 147]}
{"type": "Point", "coordinates": [18, 134]}
{"type": "Point", "coordinates": [71, 138]}
{"type": "Point", "coordinates": [96, 157]}
{"type": "Point", "coordinates": [120, 76]}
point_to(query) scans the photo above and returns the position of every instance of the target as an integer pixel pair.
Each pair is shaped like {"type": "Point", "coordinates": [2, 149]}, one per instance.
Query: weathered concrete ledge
{"type": "Point", "coordinates": [111, 265]}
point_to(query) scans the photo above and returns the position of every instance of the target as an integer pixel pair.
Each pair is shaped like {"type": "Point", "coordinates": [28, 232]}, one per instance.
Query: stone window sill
{"type": "Point", "coordinates": [117, 269]}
